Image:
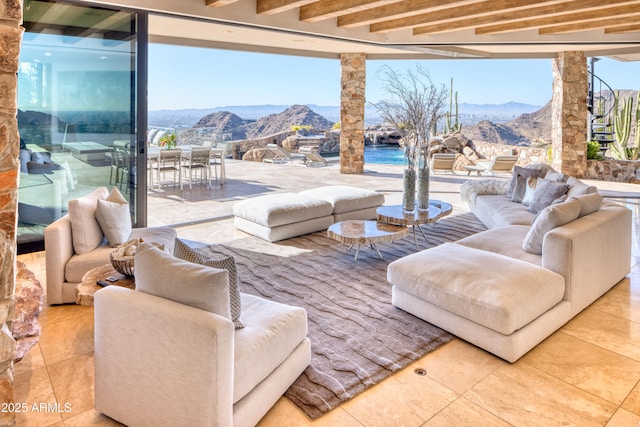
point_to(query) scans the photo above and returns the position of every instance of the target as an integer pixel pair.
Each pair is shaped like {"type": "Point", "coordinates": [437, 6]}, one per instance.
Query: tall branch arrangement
{"type": "Point", "coordinates": [415, 103]}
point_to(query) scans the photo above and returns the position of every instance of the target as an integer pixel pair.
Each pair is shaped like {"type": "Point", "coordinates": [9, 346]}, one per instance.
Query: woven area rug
{"type": "Point", "coordinates": [357, 337]}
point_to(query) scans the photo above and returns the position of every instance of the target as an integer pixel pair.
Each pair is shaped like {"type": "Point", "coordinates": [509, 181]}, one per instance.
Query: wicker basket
{"type": "Point", "coordinates": [122, 266]}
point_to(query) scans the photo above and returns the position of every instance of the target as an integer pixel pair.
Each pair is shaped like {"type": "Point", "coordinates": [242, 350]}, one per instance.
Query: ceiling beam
{"type": "Point", "coordinates": [219, 3]}
{"type": "Point", "coordinates": [621, 29]}
{"type": "Point", "coordinates": [328, 9]}
{"type": "Point", "coordinates": [595, 24]}
{"type": "Point", "coordinates": [271, 7]}
{"type": "Point", "coordinates": [509, 17]}
{"type": "Point", "coordinates": [559, 19]}
{"type": "Point", "coordinates": [454, 13]}
{"type": "Point", "coordinates": [401, 9]}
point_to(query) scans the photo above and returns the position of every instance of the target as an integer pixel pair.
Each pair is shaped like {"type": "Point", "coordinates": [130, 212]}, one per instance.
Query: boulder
{"type": "Point", "coordinates": [255, 154]}
{"type": "Point", "coordinates": [455, 142]}
{"type": "Point", "coordinates": [29, 297]}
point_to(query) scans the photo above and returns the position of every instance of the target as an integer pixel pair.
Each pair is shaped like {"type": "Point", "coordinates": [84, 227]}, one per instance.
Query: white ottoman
{"type": "Point", "coordinates": [280, 216]}
{"type": "Point", "coordinates": [348, 202]}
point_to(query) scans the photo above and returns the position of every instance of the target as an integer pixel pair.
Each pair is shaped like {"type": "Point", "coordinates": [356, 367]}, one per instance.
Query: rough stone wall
{"type": "Point", "coordinates": [569, 113]}
{"type": "Point", "coordinates": [613, 170]}
{"type": "Point", "coordinates": [352, 98]}
{"type": "Point", "coordinates": [10, 38]}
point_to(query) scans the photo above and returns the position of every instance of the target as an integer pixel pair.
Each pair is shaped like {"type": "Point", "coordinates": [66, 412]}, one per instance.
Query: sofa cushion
{"type": "Point", "coordinates": [532, 183]}
{"type": "Point", "coordinates": [579, 188]}
{"type": "Point", "coordinates": [114, 218]}
{"type": "Point", "coordinates": [280, 209]}
{"type": "Point", "coordinates": [589, 203]}
{"type": "Point", "coordinates": [185, 252]}
{"type": "Point", "coordinates": [505, 240]}
{"type": "Point", "coordinates": [495, 291]}
{"type": "Point", "coordinates": [502, 211]}
{"type": "Point", "coordinates": [550, 218]}
{"type": "Point", "coordinates": [545, 193]}
{"type": "Point", "coordinates": [345, 198]}
{"type": "Point", "coordinates": [272, 331]}
{"type": "Point", "coordinates": [161, 274]}
{"type": "Point", "coordinates": [85, 231]}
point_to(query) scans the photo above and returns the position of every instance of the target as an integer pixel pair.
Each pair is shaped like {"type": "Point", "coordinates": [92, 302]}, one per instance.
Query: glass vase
{"type": "Point", "coordinates": [423, 180]}
{"type": "Point", "coordinates": [409, 181]}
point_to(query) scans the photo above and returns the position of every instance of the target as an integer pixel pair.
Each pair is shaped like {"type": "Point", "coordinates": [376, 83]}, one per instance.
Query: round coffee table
{"type": "Point", "coordinates": [394, 214]}
{"type": "Point", "coordinates": [88, 287]}
{"type": "Point", "coordinates": [361, 232]}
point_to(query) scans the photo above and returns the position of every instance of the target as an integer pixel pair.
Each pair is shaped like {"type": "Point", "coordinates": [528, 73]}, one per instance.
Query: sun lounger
{"type": "Point", "coordinates": [313, 158]}
{"type": "Point", "coordinates": [279, 155]}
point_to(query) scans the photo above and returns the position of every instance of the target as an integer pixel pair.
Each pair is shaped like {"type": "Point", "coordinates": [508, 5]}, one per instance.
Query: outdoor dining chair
{"type": "Point", "coordinates": [197, 161]}
{"type": "Point", "coordinates": [169, 160]}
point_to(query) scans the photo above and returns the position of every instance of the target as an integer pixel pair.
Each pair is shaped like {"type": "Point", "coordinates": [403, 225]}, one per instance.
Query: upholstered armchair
{"type": "Point", "coordinates": [168, 353]}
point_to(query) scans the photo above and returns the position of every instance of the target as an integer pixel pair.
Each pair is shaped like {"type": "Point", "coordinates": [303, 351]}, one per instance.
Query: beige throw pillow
{"type": "Point", "coordinates": [114, 218]}
{"type": "Point", "coordinates": [589, 203]}
{"type": "Point", "coordinates": [548, 219]}
{"type": "Point", "coordinates": [86, 233]}
{"type": "Point", "coordinates": [183, 251]}
{"type": "Point", "coordinates": [161, 274]}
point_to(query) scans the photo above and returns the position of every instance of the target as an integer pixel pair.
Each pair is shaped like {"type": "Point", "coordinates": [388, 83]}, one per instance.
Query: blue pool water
{"type": "Point", "coordinates": [384, 154]}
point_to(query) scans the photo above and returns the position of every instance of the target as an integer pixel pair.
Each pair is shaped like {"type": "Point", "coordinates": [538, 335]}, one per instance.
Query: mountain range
{"type": "Point", "coordinates": [469, 113]}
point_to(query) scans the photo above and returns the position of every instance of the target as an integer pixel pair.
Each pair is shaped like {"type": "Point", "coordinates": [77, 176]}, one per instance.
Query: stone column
{"type": "Point", "coordinates": [352, 112]}
{"type": "Point", "coordinates": [10, 38]}
{"type": "Point", "coordinates": [569, 113]}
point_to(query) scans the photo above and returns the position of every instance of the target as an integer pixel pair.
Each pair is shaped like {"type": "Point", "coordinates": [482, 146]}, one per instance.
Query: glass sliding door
{"type": "Point", "coordinates": [77, 86]}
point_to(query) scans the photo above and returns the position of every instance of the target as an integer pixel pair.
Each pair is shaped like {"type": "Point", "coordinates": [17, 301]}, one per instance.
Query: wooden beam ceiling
{"type": "Point", "coordinates": [514, 16]}
{"type": "Point", "coordinates": [483, 17]}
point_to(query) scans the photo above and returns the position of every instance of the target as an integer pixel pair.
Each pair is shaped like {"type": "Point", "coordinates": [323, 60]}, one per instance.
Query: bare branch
{"type": "Point", "coordinates": [415, 103]}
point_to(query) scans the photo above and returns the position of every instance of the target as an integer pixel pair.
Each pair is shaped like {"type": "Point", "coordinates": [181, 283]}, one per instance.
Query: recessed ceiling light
{"type": "Point", "coordinates": [47, 54]}
{"type": "Point", "coordinates": [103, 57]}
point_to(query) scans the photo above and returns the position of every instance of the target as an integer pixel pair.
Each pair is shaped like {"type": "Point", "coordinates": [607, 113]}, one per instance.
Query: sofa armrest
{"type": "Point", "coordinates": [469, 190]}
{"type": "Point", "coordinates": [592, 253]}
{"type": "Point", "coordinates": [159, 362]}
{"type": "Point", "coordinates": [58, 245]}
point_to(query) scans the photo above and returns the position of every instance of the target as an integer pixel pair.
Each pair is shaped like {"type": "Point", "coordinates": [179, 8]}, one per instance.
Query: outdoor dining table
{"type": "Point", "coordinates": [153, 151]}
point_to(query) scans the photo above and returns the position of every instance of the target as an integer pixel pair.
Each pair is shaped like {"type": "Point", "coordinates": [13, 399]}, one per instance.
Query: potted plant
{"type": "Point", "coordinates": [168, 141]}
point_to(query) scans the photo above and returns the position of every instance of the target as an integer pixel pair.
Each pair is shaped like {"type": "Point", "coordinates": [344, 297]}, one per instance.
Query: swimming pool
{"type": "Point", "coordinates": [384, 154]}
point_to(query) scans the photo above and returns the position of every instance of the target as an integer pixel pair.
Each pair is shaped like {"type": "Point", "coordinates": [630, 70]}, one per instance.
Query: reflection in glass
{"type": "Point", "coordinates": [76, 103]}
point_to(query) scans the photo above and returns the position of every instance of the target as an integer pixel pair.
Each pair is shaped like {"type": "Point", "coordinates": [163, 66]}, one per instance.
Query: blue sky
{"type": "Point", "coordinates": [184, 77]}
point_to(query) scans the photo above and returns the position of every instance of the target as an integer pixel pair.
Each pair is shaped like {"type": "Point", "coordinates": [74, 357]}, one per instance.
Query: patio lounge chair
{"type": "Point", "coordinates": [443, 162]}
{"type": "Point", "coordinates": [313, 158]}
{"type": "Point", "coordinates": [280, 155]}
{"type": "Point", "coordinates": [503, 164]}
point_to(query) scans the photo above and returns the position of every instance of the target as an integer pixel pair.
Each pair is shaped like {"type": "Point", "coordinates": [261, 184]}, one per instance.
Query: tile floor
{"type": "Point", "coordinates": [587, 373]}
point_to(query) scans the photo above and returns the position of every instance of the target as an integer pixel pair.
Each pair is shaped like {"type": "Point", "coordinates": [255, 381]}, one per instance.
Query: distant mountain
{"type": "Point", "coordinates": [226, 122]}
{"type": "Point", "coordinates": [470, 113]}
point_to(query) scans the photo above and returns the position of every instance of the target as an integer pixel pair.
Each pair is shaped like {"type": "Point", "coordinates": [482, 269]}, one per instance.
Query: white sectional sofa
{"type": "Point", "coordinates": [508, 288]}
{"type": "Point", "coordinates": [281, 216]}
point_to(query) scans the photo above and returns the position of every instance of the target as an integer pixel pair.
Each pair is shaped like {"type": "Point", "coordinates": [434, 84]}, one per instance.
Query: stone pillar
{"type": "Point", "coordinates": [569, 113]}
{"type": "Point", "coordinates": [352, 112]}
{"type": "Point", "coordinates": [10, 38]}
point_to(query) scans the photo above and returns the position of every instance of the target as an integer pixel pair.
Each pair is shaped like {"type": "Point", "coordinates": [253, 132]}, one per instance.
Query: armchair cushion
{"type": "Point", "coordinates": [85, 230]}
{"type": "Point", "coordinates": [183, 251]}
{"type": "Point", "coordinates": [161, 274]}
{"type": "Point", "coordinates": [114, 218]}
